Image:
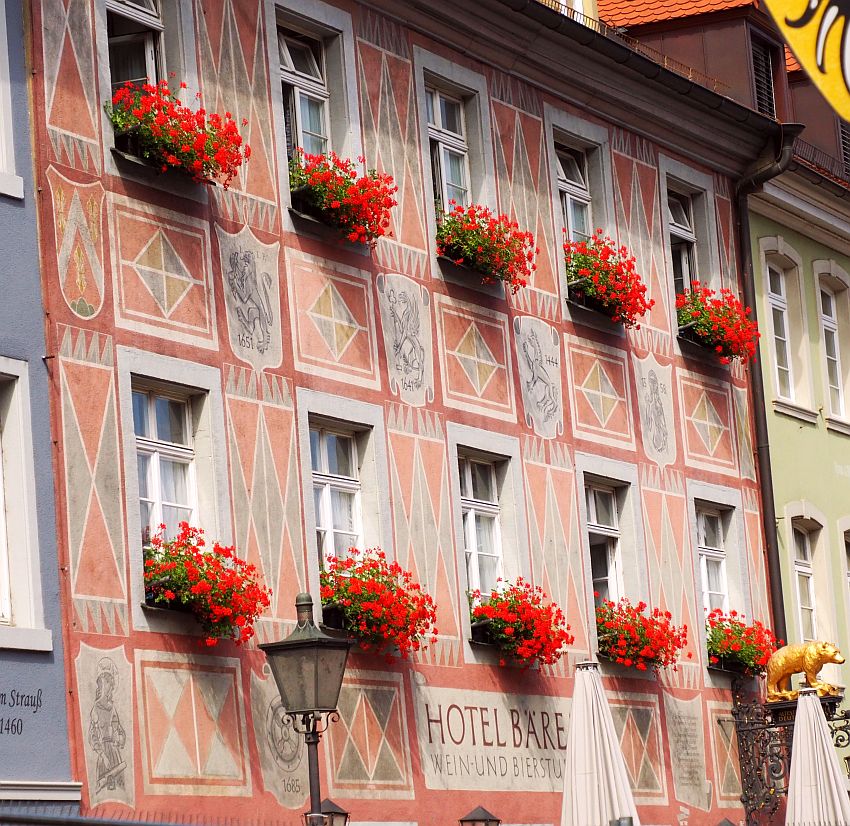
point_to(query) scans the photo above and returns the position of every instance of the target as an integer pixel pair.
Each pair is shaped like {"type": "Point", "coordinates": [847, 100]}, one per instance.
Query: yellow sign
{"type": "Point", "coordinates": [817, 32]}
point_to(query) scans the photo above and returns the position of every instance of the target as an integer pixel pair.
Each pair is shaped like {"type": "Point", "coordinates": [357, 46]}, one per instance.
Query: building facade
{"type": "Point", "coordinates": [34, 755]}
{"type": "Point", "coordinates": [215, 357]}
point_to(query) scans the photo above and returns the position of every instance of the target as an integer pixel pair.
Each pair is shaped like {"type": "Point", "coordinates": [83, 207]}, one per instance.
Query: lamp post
{"type": "Point", "coordinates": [308, 667]}
{"type": "Point", "coordinates": [479, 816]}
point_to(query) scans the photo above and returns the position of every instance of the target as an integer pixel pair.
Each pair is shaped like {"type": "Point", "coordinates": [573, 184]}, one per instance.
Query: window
{"type": "Point", "coordinates": [804, 575]}
{"type": "Point", "coordinates": [481, 531]}
{"type": "Point", "coordinates": [336, 491]}
{"type": "Point", "coordinates": [763, 78]}
{"type": "Point", "coordinates": [844, 141]}
{"type": "Point", "coordinates": [305, 92]}
{"type": "Point", "coordinates": [574, 192]}
{"type": "Point", "coordinates": [829, 332]}
{"type": "Point", "coordinates": [165, 461]}
{"type": "Point", "coordinates": [712, 559]}
{"type": "Point", "coordinates": [778, 300]}
{"type": "Point", "coordinates": [448, 147]}
{"type": "Point", "coordinates": [683, 240]}
{"type": "Point", "coordinates": [134, 29]}
{"type": "Point", "coordinates": [603, 528]}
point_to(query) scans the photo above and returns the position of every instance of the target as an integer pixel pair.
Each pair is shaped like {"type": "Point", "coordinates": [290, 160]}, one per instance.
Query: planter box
{"type": "Point", "coordinates": [731, 667]}
{"type": "Point", "coordinates": [629, 669]}
{"type": "Point", "coordinates": [697, 345]}
{"type": "Point", "coordinates": [479, 633]}
{"type": "Point", "coordinates": [173, 606]}
{"type": "Point", "coordinates": [333, 616]}
{"type": "Point", "coordinates": [127, 150]}
{"type": "Point", "coordinates": [303, 207]}
{"type": "Point", "coordinates": [578, 298]}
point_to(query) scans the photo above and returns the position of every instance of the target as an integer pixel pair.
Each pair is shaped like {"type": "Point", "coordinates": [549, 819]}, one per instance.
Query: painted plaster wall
{"type": "Point", "coordinates": [40, 751]}
{"type": "Point", "coordinates": [201, 731]}
{"type": "Point", "coordinates": [819, 486]}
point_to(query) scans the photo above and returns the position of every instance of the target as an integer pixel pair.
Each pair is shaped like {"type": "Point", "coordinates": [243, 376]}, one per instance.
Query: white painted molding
{"type": "Point", "coordinates": [61, 790]}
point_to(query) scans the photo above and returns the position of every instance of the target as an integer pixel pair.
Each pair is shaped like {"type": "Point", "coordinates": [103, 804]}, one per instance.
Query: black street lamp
{"type": "Point", "coordinates": [479, 816]}
{"type": "Point", "coordinates": [335, 816]}
{"type": "Point", "coordinates": [308, 667]}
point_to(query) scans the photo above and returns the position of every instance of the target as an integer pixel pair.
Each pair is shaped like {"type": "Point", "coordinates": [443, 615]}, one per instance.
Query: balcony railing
{"type": "Point", "coordinates": [821, 161]}
{"type": "Point", "coordinates": [635, 45]}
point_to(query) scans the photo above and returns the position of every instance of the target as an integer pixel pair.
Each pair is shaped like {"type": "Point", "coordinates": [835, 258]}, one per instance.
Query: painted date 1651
{"type": "Point", "coordinates": [11, 725]}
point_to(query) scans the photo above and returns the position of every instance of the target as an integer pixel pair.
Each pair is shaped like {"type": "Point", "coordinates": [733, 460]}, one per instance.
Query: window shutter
{"type": "Point", "coordinates": [763, 76]}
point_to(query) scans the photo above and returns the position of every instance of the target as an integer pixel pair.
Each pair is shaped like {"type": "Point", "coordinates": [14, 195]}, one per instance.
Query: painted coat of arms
{"type": "Point", "coordinates": [252, 297]}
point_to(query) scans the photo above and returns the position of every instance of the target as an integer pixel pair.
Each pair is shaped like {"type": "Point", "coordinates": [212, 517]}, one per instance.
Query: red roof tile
{"type": "Point", "coordinates": [638, 12]}
{"type": "Point", "coordinates": [791, 64]}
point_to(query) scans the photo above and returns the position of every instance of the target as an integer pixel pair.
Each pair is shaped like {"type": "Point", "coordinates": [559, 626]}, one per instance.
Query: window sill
{"type": "Point", "coordinates": [310, 224]}
{"type": "Point", "coordinates": [25, 639]}
{"type": "Point", "coordinates": [173, 181]}
{"type": "Point", "coordinates": [841, 426]}
{"type": "Point", "coordinates": [40, 790]}
{"type": "Point", "coordinates": [583, 312]}
{"type": "Point", "coordinates": [467, 277]}
{"type": "Point", "coordinates": [787, 408]}
{"type": "Point", "coordinates": [12, 186]}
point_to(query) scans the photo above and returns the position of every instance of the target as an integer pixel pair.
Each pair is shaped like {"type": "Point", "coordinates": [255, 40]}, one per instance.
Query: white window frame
{"type": "Point", "coordinates": [778, 303]}
{"type": "Point", "coordinates": [682, 239]}
{"type": "Point", "coordinates": [570, 191]}
{"type": "Point", "coordinates": [22, 625]}
{"type": "Point", "coordinates": [158, 449]}
{"type": "Point", "coordinates": [442, 140]}
{"type": "Point", "coordinates": [304, 85]}
{"type": "Point", "coordinates": [11, 184]}
{"type": "Point", "coordinates": [202, 384]}
{"type": "Point", "coordinates": [611, 533]}
{"type": "Point", "coordinates": [329, 482]}
{"type": "Point", "coordinates": [829, 329]}
{"type": "Point", "coordinates": [470, 509]}
{"type": "Point", "coordinates": [708, 553]}
{"type": "Point", "coordinates": [152, 37]}
{"type": "Point", "coordinates": [805, 568]}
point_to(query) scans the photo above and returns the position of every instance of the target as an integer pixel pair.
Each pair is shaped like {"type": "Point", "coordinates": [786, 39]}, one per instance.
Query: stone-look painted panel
{"type": "Point", "coordinates": [93, 491]}
{"type": "Point", "coordinates": [422, 518]}
{"type": "Point", "coordinates": [556, 563]}
{"type": "Point", "coordinates": [332, 320]}
{"type": "Point", "coordinates": [490, 741]}
{"type": "Point", "coordinates": [475, 359]}
{"type": "Point", "coordinates": [72, 109]}
{"type": "Point", "coordinates": [724, 753]}
{"type": "Point", "coordinates": [539, 359]}
{"type": "Point", "coordinates": [707, 426]}
{"type": "Point", "coordinates": [654, 389]}
{"type": "Point", "coordinates": [252, 297]}
{"type": "Point", "coordinates": [265, 484]}
{"type": "Point", "coordinates": [162, 273]}
{"type": "Point", "coordinates": [78, 234]}
{"type": "Point", "coordinates": [368, 749]}
{"type": "Point", "coordinates": [638, 726]}
{"type": "Point", "coordinates": [601, 393]}
{"type": "Point", "coordinates": [391, 144]}
{"type": "Point", "coordinates": [523, 175]}
{"type": "Point", "coordinates": [405, 310]}
{"type": "Point", "coordinates": [743, 431]}
{"type": "Point", "coordinates": [686, 735]}
{"type": "Point", "coordinates": [283, 755]}
{"type": "Point", "coordinates": [191, 725]}
{"type": "Point", "coordinates": [726, 232]}
{"type": "Point", "coordinates": [234, 77]}
{"type": "Point", "coordinates": [105, 705]}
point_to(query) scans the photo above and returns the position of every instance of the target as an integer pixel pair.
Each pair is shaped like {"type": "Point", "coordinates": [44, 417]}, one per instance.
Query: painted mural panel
{"type": "Point", "coordinates": [686, 733]}
{"type": "Point", "coordinates": [707, 425]}
{"type": "Point", "coordinates": [369, 749]}
{"type": "Point", "coordinates": [191, 724]}
{"type": "Point", "coordinates": [475, 359]}
{"type": "Point", "coordinates": [93, 497]}
{"type": "Point", "coordinates": [78, 233]}
{"type": "Point", "coordinates": [405, 312]}
{"type": "Point", "coordinates": [162, 272]}
{"type": "Point", "coordinates": [265, 486]}
{"type": "Point", "coordinates": [252, 297]}
{"type": "Point", "coordinates": [539, 360]}
{"type": "Point", "coordinates": [105, 704]}
{"type": "Point", "coordinates": [333, 320]}
{"type": "Point", "coordinates": [654, 389]}
{"type": "Point", "coordinates": [724, 753]}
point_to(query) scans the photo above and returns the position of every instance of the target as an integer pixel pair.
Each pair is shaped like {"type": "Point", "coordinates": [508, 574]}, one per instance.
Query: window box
{"type": "Point", "coordinates": [333, 616]}
{"type": "Point", "coordinates": [480, 632]}
{"type": "Point", "coordinates": [731, 668]}
{"type": "Point", "coordinates": [577, 297]}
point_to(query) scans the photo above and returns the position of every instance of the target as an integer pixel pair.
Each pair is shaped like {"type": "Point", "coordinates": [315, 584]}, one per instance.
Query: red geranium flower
{"type": "Point", "coordinates": [729, 638]}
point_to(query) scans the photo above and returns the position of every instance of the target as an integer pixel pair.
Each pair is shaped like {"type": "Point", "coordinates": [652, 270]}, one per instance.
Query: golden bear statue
{"type": "Point", "coordinates": [808, 658]}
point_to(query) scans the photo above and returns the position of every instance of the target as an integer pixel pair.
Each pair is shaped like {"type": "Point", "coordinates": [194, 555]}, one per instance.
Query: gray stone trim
{"type": "Point", "coordinates": [334, 26]}
{"type": "Point", "coordinates": [472, 86]}
{"type": "Point", "coordinates": [512, 517]}
{"type": "Point", "coordinates": [22, 536]}
{"type": "Point", "coordinates": [212, 480]}
{"type": "Point", "coordinates": [374, 469]}
{"type": "Point", "coordinates": [40, 790]}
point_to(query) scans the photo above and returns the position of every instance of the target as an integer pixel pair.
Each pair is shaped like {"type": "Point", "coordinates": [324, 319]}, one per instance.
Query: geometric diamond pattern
{"type": "Point", "coordinates": [476, 359]}
{"type": "Point", "coordinates": [600, 393]}
{"type": "Point", "coordinates": [637, 728]}
{"type": "Point", "coordinates": [707, 423]}
{"type": "Point", "coordinates": [334, 320]}
{"type": "Point", "coordinates": [163, 272]}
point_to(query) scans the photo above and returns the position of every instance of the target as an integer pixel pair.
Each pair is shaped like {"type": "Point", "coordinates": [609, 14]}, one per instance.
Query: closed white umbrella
{"type": "Point", "coordinates": [817, 786]}
{"type": "Point", "coordinates": [596, 782]}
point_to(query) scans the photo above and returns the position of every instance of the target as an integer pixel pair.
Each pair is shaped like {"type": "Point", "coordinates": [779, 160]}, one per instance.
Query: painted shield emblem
{"type": "Point", "coordinates": [817, 32]}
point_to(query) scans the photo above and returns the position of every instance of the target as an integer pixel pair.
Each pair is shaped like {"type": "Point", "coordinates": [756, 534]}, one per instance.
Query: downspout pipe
{"type": "Point", "coordinates": [753, 180]}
